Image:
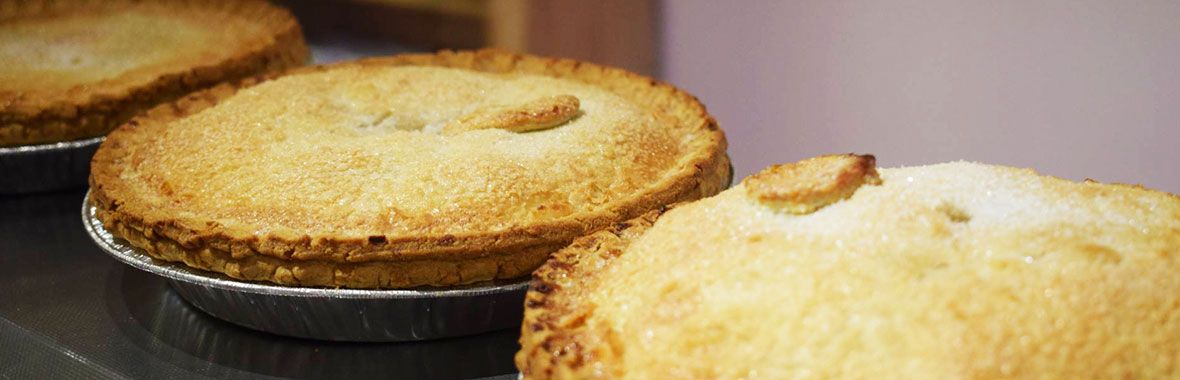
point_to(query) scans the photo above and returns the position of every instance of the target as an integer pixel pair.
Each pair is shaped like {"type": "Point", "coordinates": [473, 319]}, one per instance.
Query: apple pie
{"type": "Point", "coordinates": [76, 69]}
{"type": "Point", "coordinates": [831, 268]}
{"type": "Point", "coordinates": [395, 172]}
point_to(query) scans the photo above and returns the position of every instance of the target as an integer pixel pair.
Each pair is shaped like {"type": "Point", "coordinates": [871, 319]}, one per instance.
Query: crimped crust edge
{"type": "Point", "coordinates": [555, 341]}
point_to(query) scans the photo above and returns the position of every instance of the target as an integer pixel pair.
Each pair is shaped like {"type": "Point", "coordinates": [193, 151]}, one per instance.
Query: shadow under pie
{"type": "Point", "coordinates": [169, 322]}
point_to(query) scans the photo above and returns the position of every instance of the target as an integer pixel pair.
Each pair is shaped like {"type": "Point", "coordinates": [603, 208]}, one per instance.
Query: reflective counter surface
{"type": "Point", "coordinates": [68, 310]}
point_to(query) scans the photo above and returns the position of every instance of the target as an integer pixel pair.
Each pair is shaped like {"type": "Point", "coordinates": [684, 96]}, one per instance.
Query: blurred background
{"type": "Point", "coordinates": [1077, 89]}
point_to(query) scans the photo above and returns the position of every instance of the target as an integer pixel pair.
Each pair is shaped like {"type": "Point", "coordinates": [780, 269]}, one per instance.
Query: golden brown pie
{"type": "Point", "coordinates": [434, 169]}
{"type": "Point", "coordinates": [830, 268]}
{"type": "Point", "coordinates": [76, 69]}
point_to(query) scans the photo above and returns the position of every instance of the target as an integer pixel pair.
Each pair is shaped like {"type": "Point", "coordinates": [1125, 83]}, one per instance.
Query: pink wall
{"type": "Point", "coordinates": [1073, 88]}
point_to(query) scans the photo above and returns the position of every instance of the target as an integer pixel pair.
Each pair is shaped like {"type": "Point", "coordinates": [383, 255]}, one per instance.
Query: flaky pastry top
{"type": "Point", "coordinates": [957, 270]}
{"type": "Point", "coordinates": [381, 158]}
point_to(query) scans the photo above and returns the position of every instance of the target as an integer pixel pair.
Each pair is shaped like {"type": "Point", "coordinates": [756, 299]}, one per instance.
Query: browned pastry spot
{"type": "Point", "coordinates": [805, 186]}
{"type": "Point", "coordinates": [542, 113]}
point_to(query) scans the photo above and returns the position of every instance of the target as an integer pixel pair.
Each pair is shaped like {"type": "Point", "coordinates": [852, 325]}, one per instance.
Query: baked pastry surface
{"type": "Point", "coordinates": [77, 69]}
{"type": "Point", "coordinates": [955, 270]}
{"type": "Point", "coordinates": [434, 169]}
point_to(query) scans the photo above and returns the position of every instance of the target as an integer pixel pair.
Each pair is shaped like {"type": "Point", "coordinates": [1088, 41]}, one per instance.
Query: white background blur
{"type": "Point", "coordinates": [1072, 88]}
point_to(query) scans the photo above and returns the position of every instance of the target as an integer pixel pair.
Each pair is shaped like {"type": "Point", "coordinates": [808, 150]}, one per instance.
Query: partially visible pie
{"type": "Point", "coordinates": [75, 69]}
{"type": "Point", "coordinates": [830, 268]}
{"type": "Point", "coordinates": [435, 169]}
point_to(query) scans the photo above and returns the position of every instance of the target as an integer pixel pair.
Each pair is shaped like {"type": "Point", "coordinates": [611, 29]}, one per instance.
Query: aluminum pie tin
{"type": "Point", "coordinates": [355, 315]}
{"type": "Point", "coordinates": [46, 167]}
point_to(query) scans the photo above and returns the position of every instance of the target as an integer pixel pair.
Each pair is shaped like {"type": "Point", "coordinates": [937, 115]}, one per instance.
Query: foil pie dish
{"type": "Point", "coordinates": [46, 167]}
{"type": "Point", "coordinates": [330, 314]}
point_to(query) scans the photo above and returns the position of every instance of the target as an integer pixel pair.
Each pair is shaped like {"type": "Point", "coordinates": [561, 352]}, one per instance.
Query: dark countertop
{"type": "Point", "coordinates": [68, 310]}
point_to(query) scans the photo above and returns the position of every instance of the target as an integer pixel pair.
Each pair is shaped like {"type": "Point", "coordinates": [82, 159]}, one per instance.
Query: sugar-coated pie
{"type": "Point", "coordinates": [404, 171]}
{"type": "Point", "coordinates": [74, 69]}
{"type": "Point", "coordinates": [831, 268]}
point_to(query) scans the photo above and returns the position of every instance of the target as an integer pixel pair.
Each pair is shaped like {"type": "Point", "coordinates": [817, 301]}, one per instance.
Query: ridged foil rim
{"type": "Point", "coordinates": [64, 145]}
{"type": "Point", "coordinates": [135, 257]}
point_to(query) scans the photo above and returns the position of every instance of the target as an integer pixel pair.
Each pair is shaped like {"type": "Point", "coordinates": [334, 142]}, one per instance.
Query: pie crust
{"type": "Point", "coordinates": [77, 69]}
{"type": "Point", "coordinates": [425, 207]}
{"type": "Point", "coordinates": [956, 270]}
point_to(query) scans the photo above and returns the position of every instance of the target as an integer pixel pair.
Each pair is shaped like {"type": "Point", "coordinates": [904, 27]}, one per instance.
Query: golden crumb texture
{"type": "Point", "coordinates": [806, 186]}
{"type": "Point", "coordinates": [72, 69]}
{"type": "Point", "coordinates": [348, 175]}
{"type": "Point", "coordinates": [949, 271]}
